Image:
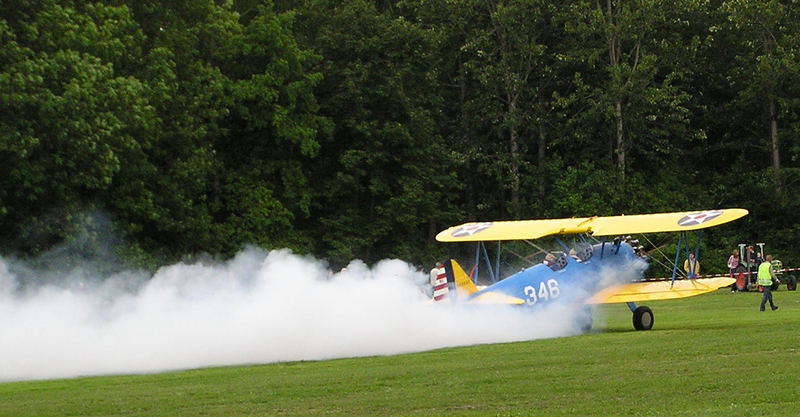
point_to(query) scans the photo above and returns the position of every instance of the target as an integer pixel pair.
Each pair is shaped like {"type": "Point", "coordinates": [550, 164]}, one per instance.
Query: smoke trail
{"type": "Point", "coordinates": [259, 307]}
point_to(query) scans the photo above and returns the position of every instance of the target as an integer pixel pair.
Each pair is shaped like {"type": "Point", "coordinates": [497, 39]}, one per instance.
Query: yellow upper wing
{"type": "Point", "coordinates": [658, 290]}
{"type": "Point", "coordinates": [597, 226]}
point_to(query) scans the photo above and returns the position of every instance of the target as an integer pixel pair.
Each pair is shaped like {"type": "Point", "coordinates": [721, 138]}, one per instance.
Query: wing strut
{"type": "Point", "coordinates": [494, 274]}
{"type": "Point", "coordinates": [496, 277]}
{"type": "Point", "coordinates": [681, 238]}
{"type": "Point", "coordinates": [692, 273]}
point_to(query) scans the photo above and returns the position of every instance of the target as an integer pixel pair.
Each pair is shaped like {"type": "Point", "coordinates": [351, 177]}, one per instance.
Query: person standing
{"type": "Point", "coordinates": [733, 263]}
{"type": "Point", "coordinates": [439, 281]}
{"type": "Point", "coordinates": [752, 264]}
{"type": "Point", "coordinates": [435, 272]}
{"type": "Point", "coordinates": [691, 266]}
{"type": "Point", "coordinates": [766, 274]}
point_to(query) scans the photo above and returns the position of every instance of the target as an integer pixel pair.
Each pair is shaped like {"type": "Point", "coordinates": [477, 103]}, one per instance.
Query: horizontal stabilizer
{"type": "Point", "coordinates": [496, 298]}
{"type": "Point", "coordinates": [658, 290]}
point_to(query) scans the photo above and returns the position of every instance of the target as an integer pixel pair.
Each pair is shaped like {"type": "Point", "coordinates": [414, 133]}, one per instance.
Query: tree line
{"type": "Point", "coordinates": [359, 129]}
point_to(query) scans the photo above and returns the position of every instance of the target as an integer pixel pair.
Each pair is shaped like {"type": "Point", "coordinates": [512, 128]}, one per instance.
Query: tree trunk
{"type": "Point", "coordinates": [620, 139]}
{"type": "Point", "coordinates": [466, 140]}
{"type": "Point", "coordinates": [540, 160]}
{"type": "Point", "coordinates": [514, 164]}
{"type": "Point", "coordinates": [776, 159]}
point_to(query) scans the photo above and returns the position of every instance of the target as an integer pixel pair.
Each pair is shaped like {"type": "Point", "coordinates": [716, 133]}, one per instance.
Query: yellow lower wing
{"type": "Point", "coordinates": [658, 290]}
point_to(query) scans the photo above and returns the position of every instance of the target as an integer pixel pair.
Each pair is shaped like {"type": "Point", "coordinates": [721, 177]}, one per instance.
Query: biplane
{"type": "Point", "coordinates": [583, 272]}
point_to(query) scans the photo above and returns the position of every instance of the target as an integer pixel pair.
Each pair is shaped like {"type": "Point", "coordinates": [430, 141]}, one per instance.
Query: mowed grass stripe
{"type": "Point", "coordinates": [709, 355]}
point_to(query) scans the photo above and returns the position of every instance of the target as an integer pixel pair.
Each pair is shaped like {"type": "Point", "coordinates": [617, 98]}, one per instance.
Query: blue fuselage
{"type": "Point", "coordinates": [572, 281]}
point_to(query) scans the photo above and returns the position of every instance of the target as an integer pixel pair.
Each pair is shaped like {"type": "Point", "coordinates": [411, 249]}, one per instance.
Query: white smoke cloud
{"type": "Point", "coordinates": [260, 307]}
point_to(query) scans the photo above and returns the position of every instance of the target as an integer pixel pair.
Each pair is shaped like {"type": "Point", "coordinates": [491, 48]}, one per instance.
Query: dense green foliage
{"type": "Point", "coordinates": [358, 129]}
{"type": "Point", "coordinates": [712, 355]}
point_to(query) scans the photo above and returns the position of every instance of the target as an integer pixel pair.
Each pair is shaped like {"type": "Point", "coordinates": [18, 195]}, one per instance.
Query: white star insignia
{"type": "Point", "coordinates": [699, 218]}
{"type": "Point", "coordinates": [471, 229]}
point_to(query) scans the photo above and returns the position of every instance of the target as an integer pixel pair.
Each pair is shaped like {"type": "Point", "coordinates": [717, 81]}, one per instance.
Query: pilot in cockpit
{"type": "Point", "coordinates": [581, 252]}
{"type": "Point", "coordinates": [556, 261]}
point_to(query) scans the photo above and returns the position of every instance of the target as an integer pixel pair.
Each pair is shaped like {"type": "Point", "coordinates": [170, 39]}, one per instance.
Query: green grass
{"type": "Point", "coordinates": [709, 355]}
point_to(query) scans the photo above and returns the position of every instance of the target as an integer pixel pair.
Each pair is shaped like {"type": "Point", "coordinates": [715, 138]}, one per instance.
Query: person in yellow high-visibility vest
{"type": "Point", "coordinates": [765, 276]}
{"type": "Point", "coordinates": [691, 266]}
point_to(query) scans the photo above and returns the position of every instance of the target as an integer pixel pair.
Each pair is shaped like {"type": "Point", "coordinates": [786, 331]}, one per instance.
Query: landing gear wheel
{"type": "Point", "coordinates": [791, 283]}
{"type": "Point", "coordinates": [643, 318]}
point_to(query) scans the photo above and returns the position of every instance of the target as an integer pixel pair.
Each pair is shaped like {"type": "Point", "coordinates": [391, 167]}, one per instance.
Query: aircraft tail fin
{"type": "Point", "coordinates": [463, 284]}
{"type": "Point", "coordinates": [452, 278]}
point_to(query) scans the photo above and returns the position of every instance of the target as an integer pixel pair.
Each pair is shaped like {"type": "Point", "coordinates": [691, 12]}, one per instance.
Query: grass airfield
{"type": "Point", "coordinates": [710, 355]}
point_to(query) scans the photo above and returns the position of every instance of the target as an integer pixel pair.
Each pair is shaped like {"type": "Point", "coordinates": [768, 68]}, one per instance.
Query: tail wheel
{"type": "Point", "coordinates": [643, 318]}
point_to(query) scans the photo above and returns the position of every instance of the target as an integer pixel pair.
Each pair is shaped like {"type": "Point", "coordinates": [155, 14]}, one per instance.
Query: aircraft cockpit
{"type": "Point", "coordinates": [581, 252]}
{"type": "Point", "coordinates": [555, 260]}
